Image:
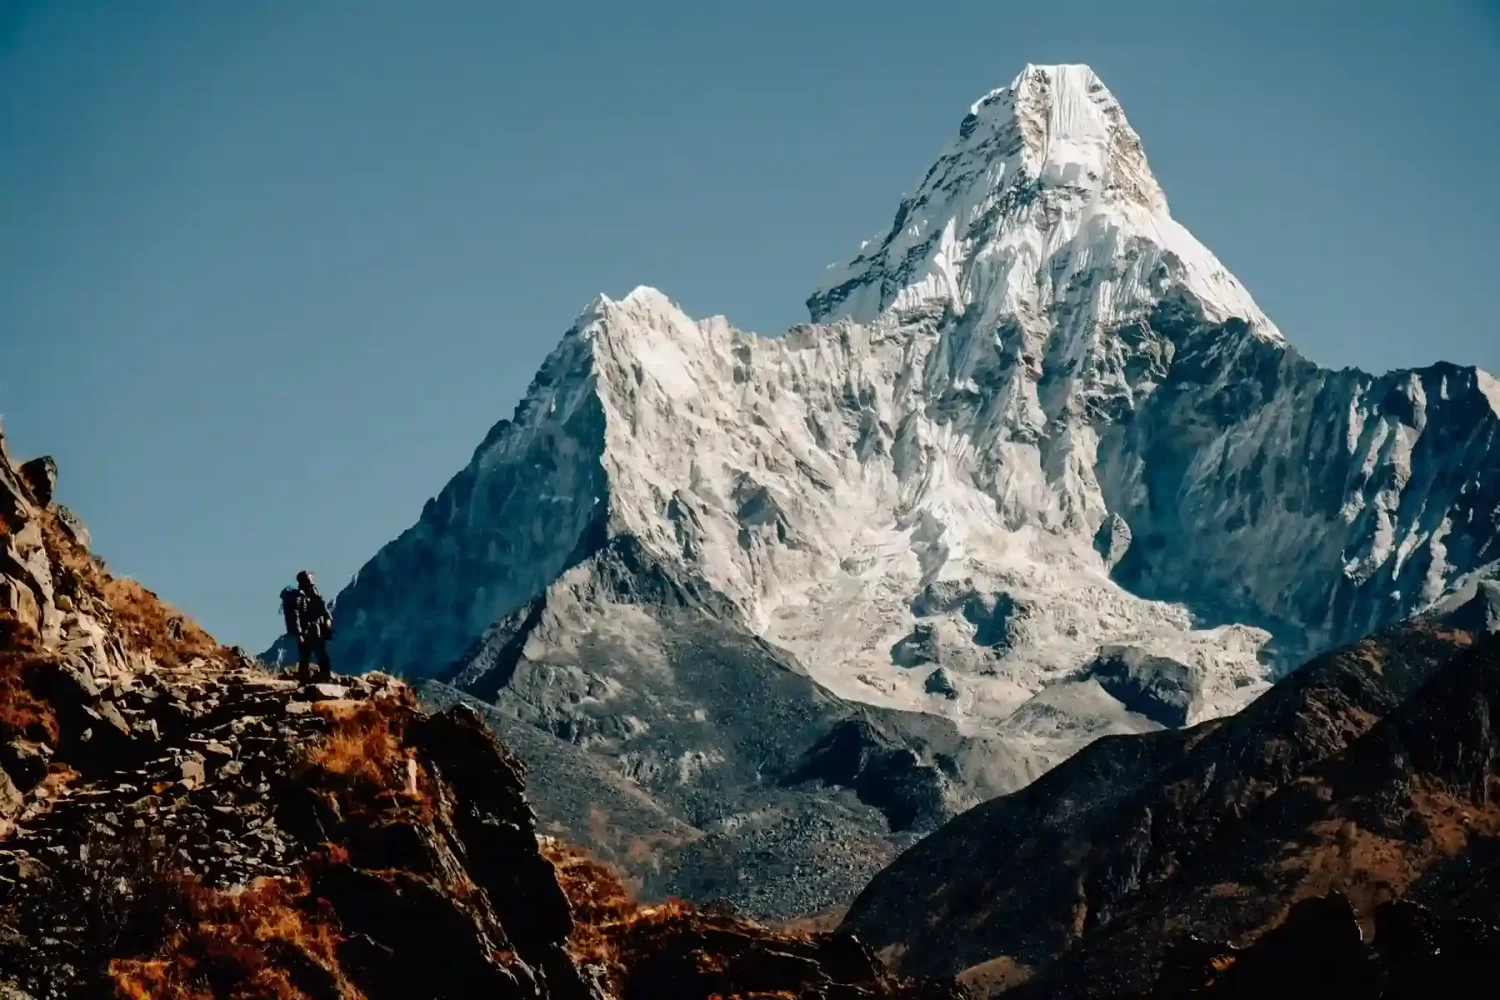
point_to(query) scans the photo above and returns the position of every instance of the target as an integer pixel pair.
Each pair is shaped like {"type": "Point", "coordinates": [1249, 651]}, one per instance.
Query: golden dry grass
{"type": "Point", "coordinates": [995, 976]}
{"type": "Point", "coordinates": [366, 765]}
{"type": "Point", "coordinates": [242, 945]}
{"type": "Point", "coordinates": [822, 922]}
{"type": "Point", "coordinates": [234, 945]}
{"type": "Point", "coordinates": [22, 713]}
{"type": "Point", "coordinates": [145, 622]}
{"type": "Point", "coordinates": [604, 911]}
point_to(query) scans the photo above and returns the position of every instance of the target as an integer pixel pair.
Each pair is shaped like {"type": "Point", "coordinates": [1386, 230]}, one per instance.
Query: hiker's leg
{"type": "Point", "coordinates": [323, 661]}
{"type": "Point", "coordinates": [304, 660]}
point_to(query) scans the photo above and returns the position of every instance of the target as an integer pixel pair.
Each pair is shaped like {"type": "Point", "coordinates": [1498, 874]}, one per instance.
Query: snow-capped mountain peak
{"type": "Point", "coordinates": [1072, 132]}
{"type": "Point", "coordinates": [1039, 465]}
{"type": "Point", "coordinates": [1044, 195]}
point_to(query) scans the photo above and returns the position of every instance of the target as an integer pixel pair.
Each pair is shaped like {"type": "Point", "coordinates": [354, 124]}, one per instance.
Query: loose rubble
{"type": "Point", "coordinates": [205, 751]}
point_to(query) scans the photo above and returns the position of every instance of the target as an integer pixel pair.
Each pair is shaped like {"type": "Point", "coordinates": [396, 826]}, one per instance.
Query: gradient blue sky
{"type": "Point", "coordinates": [269, 271]}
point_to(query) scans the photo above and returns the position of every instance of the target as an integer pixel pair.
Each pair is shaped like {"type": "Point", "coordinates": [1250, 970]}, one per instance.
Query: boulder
{"type": "Point", "coordinates": [15, 500]}
{"type": "Point", "coordinates": [1162, 689]}
{"type": "Point", "coordinates": [1112, 540]}
{"type": "Point", "coordinates": [916, 648]}
{"type": "Point", "coordinates": [25, 762]}
{"type": "Point", "coordinates": [40, 475]}
{"type": "Point", "coordinates": [1480, 613]}
{"type": "Point", "coordinates": [939, 683]}
{"type": "Point", "coordinates": [72, 526]}
{"type": "Point", "coordinates": [325, 692]}
{"type": "Point", "coordinates": [12, 801]}
{"type": "Point", "coordinates": [883, 772]}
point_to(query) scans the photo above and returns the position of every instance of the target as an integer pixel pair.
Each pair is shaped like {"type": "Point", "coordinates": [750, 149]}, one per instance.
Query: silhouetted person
{"type": "Point", "coordinates": [308, 621]}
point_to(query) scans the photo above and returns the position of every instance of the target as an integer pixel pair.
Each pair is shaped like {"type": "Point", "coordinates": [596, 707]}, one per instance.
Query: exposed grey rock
{"type": "Point", "coordinates": [1112, 540]}
{"type": "Point", "coordinates": [1085, 427]}
{"type": "Point", "coordinates": [939, 683]}
{"type": "Point", "coordinates": [40, 475]}
{"type": "Point", "coordinates": [1159, 688]}
{"type": "Point", "coordinates": [111, 716]}
{"type": "Point", "coordinates": [942, 597]}
{"type": "Point", "coordinates": [15, 498]}
{"type": "Point", "coordinates": [72, 525]}
{"type": "Point", "coordinates": [193, 772]}
{"type": "Point", "coordinates": [1476, 608]}
{"type": "Point", "coordinates": [882, 770]}
{"type": "Point", "coordinates": [916, 648]}
{"type": "Point", "coordinates": [12, 800]}
{"type": "Point", "coordinates": [24, 761]}
{"type": "Point", "coordinates": [326, 692]}
{"type": "Point", "coordinates": [665, 725]}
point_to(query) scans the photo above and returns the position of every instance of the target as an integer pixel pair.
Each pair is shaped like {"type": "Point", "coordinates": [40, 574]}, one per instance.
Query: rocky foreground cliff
{"type": "Point", "coordinates": [176, 822]}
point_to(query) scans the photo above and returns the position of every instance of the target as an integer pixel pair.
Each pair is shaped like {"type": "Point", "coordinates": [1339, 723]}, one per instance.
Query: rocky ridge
{"type": "Point", "coordinates": [180, 823]}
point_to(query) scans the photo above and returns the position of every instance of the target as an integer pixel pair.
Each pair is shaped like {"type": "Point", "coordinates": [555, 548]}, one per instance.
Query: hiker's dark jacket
{"type": "Point", "coordinates": [306, 613]}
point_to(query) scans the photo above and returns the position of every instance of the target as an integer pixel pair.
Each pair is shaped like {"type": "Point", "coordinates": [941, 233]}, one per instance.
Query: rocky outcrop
{"type": "Point", "coordinates": [268, 797]}
{"type": "Point", "coordinates": [671, 950]}
{"type": "Point", "coordinates": [40, 474]}
{"type": "Point", "coordinates": [1476, 608]}
{"type": "Point", "coordinates": [883, 771]}
{"type": "Point", "coordinates": [346, 845]}
{"type": "Point", "coordinates": [1159, 688]}
{"type": "Point", "coordinates": [750, 961]}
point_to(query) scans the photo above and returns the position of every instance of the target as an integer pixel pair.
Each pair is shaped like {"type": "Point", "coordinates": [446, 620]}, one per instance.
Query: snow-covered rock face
{"type": "Point", "coordinates": [1043, 203]}
{"type": "Point", "coordinates": [1035, 419]}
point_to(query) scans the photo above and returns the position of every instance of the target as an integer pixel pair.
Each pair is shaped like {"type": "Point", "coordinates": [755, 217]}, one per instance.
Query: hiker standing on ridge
{"type": "Point", "coordinates": [308, 622]}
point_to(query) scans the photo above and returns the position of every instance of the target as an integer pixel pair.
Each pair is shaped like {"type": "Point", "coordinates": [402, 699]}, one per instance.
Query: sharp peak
{"type": "Point", "coordinates": [1055, 136]}
{"type": "Point", "coordinates": [1035, 75]}
{"type": "Point", "coordinates": [1061, 124]}
{"type": "Point", "coordinates": [642, 300]}
{"type": "Point", "coordinates": [640, 295]}
{"type": "Point", "coordinates": [645, 312]}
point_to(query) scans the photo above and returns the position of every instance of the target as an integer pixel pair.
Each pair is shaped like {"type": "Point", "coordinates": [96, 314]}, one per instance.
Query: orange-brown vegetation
{"type": "Point", "coordinates": [604, 911]}
{"type": "Point", "coordinates": [364, 762]}
{"type": "Point", "coordinates": [21, 711]}
{"type": "Point", "coordinates": [275, 939]}
{"type": "Point", "coordinates": [1370, 868]}
{"type": "Point", "coordinates": [995, 975]}
{"type": "Point", "coordinates": [238, 946]}
{"type": "Point", "coordinates": [824, 922]}
{"type": "Point", "coordinates": [145, 622]}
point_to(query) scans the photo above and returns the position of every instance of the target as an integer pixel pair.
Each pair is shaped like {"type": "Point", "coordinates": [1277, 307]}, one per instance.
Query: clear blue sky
{"type": "Point", "coordinates": [268, 272]}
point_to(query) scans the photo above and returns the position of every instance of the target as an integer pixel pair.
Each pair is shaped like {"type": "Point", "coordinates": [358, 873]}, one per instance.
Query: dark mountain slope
{"type": "Point", "coordinates": [1412, 800]}
{"type": "Point", "coordinates": [1095, 844]}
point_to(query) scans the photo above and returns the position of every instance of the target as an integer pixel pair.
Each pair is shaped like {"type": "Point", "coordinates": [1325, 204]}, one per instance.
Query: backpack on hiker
{"type": "Point", "coordinates": [291, 611]}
